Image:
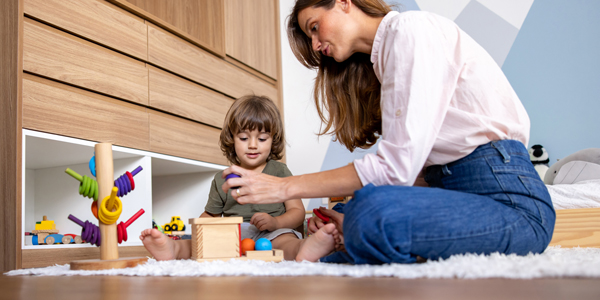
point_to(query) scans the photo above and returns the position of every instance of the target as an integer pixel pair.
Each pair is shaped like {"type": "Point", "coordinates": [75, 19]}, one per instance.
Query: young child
{"type": "Point", "coordinates": [252, 138]}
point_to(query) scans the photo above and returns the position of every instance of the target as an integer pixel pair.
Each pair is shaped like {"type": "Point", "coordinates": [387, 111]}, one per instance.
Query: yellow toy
{"type": "Point", "coordinates": [45, 224]}
{"type": "Point", "coordinates": [176, 224]}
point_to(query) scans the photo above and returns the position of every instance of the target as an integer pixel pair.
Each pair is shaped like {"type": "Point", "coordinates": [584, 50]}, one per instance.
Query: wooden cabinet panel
{"type": "Point", "coordinates": [202, 20]}
{"type": "Point", "coordinates": [174, 54]}
{"type": "Point", "coordinates": [251, 34]}
{"type": "Point", "coordinates": [11, 16]}
{"type": "Point", "coordinates": [184, 138]}
{"type": "Point", "coordinates": [96, 20]}
{"type": "Point", "coordinates": [187, 99]}
{"type": "Point", "coordinates": [53, 107]}
{"type": "Point", "coordinates": [55, 54]}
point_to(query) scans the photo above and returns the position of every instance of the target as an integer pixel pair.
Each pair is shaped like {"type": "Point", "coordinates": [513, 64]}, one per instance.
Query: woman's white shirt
{"type": "Point", "coordinates": [442, 95]}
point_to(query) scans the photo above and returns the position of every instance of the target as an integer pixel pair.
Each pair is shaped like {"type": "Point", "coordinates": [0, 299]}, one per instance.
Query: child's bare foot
{"type": "Point", "coordinates": [158, 244]}
{"type": "Point", "coordinates": [318, 245]}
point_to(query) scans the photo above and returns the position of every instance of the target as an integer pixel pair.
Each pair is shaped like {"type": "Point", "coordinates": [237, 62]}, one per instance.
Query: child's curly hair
{"type": "Point", "coordinates": [249, 113]}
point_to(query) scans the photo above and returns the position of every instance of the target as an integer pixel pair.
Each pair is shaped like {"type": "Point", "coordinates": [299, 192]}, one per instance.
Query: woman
{"type": "Point", "coordinates": [442, 109]}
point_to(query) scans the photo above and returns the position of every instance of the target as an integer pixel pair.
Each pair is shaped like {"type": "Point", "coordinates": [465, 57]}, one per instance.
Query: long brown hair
{"type": "Point", "coordinates": [249, 113]}
{"type": "Point", "coordinates": [347, 94]}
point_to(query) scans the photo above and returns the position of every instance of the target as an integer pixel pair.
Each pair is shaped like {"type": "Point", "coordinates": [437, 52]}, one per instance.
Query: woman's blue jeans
{"type": "Point", "coordinates": [489, 201]}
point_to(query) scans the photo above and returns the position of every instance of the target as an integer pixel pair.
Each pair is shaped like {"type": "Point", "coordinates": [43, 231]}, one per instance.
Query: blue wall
{"type": "Point", "coordinates": [552, 62]}
{"type": "Point", "coordinates": [554, 66]}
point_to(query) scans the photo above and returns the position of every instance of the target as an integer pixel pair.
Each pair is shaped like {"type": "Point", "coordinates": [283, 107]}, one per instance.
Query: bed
{"type": "Point", "coordinates": [577, 214]}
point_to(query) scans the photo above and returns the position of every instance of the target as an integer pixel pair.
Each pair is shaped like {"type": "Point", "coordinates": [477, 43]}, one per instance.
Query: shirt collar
{"type": "Point", "coordinates": [380, 33]}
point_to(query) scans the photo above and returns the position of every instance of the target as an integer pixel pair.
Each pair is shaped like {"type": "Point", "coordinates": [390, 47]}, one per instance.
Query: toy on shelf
{"type": "Point", "coordinates": [108, 234]}
{"type": "Point", "coordinates": [43, 229]}
{"type": "Point", "coordinates": [88, 186]}
{"type": "Point", "coordinates": [125, 182]}
{"type": "Point", "coordinates": [220, 239]}
{"type": "Point", "coordinates": [46, 233]}
{"type": "Point", "coordinates": [89, 232]}
{"type": "Point", "coordinates": [122, 227]}
{"type": "Point", "coordinates": [75, 239]}
{"type": "Point", "coordinates": [45, 224]}
{"type": "Point", "coordinates": [92, 165]}
{"type": "Point", "coordinates": [154, 225]}
{"type": "Point", "coordinates": [176, 224]}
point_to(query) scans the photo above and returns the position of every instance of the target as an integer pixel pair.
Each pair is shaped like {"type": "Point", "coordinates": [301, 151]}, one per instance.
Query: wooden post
{"type": "Point", "coordinates": [109, 252]}
{"type": "Point", "coordinates": [104, 175]}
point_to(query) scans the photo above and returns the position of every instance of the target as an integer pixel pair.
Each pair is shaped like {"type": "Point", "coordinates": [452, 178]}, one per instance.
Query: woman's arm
{"type": "Point", "coordinates": [262, 188]}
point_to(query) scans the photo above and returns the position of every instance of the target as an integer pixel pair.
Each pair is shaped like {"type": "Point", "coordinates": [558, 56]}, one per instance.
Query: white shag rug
{"type": "Point", "coordinates": [554, 262]}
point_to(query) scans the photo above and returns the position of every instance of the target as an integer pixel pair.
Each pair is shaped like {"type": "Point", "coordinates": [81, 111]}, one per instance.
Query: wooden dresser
{"type": "Point", "coordinates": [151, 75]}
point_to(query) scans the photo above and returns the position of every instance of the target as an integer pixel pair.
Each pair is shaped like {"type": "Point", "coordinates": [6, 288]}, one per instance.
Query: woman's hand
{"type": "Point", "coordinates": [255, 188]}
{"type": "Point", "coordinates": [335, 218]}
{"type": "Point", "coordinates": [264, 221]}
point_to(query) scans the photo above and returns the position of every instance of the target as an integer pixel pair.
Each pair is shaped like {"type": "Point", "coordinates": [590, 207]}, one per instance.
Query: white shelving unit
{"type": "Point", "coordinates": [167, 186]}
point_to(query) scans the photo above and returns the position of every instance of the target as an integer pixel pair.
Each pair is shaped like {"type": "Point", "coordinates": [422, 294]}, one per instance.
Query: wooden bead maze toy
{"type": "Point", "coordinates": [108, 233]}
{"type": "Point", "coordinates": [220, 239]}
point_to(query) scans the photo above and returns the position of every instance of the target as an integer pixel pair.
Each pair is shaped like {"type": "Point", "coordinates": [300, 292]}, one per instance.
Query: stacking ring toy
{"type": "Point", "coordinates": [125, 182]}
{"type": "Point", "coordinates": [92, 165]}
{"type": "Point", "coordinates": [318, 213]}
{"type": "Point", "coordinates": [89, 232]}
{"type": "Point", "coordinates": [88, 187]}
{"type": "Point", "coordinates": [122, 227]}
{"type": "Point", "coordinates": [233, 175]}
{"type": "Point", "coordinates": [106, 215]}
{"type": "Point", "coordinates": [95, 209]}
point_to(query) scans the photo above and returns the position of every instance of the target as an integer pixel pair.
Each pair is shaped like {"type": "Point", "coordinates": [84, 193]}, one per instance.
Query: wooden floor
{"type": "Point", "coordinates": [314, 288]}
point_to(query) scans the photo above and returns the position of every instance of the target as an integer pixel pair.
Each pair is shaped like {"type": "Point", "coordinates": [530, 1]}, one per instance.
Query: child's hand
{"type": "Point", "coordinates": [314, 224]}
{"type": "Point", "coordinates": [264, 221]}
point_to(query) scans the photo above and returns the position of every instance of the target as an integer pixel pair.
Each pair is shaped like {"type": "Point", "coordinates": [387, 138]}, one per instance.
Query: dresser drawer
{"type": "Point", "coordinates": [53, 107]}
{"type": "Point", "coordinates": [178, 137]}
{"type": "Point", "coordinates": [187, 99]}
{"type": "Point", "coordinates": [178, 56]}
{"type": "Point", "coordinates": [64, 57]}
{"type": "Point", "coordinates": [96, 20]}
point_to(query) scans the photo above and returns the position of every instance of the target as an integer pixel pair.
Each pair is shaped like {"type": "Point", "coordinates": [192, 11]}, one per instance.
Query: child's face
{"type": "Point", "coordinates": [253, 148]}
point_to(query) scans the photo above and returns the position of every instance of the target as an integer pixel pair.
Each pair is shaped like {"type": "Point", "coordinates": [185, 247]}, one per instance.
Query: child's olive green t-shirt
{"type": "Point", "coordinates": [220, 202]}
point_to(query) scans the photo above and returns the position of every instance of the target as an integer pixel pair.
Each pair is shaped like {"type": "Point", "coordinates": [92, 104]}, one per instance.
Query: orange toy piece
{"type": "Point", "coordinates": [247, 245]}
{"type": "Point", "coordinates": [95, 209]}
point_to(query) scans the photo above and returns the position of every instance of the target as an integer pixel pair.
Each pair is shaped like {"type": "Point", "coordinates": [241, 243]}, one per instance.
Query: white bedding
{"type": "Point", "coordinates": [583, 194]}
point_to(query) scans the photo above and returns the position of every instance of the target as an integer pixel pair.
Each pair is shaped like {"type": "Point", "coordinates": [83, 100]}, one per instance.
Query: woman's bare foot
{"type": "Point", "coordinates": [158, 244]}
{"type": "Point", "coordinates": [318, 245]}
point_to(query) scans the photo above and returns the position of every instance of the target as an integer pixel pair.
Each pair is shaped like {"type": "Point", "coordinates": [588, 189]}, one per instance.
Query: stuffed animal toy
{"type": "Point", "coordinates": [540, 159]}
{"type": "Point", "coordinates": [579, 166]}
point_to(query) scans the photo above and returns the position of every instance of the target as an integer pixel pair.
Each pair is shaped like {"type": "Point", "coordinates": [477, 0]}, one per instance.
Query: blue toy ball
{"type": "Point", "coordinates": [263, 244]}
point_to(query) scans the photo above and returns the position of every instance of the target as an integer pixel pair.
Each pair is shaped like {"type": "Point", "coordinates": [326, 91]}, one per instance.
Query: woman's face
{"type": "Point", "coordinates": [328, 30]}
